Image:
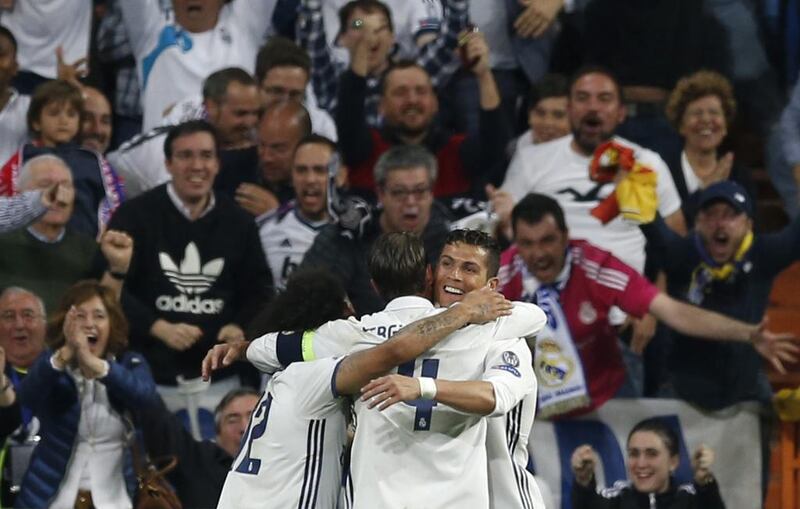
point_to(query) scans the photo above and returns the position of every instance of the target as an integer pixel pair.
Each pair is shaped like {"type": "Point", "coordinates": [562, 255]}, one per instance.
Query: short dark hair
{"type": "Point", "coordinates": [551, 85]}
{"type": "Point", "coordinates": [368, 6]}
{"type": "Point", "coordinates": [400, 65]}
{"type": "Point", "coordinates": [312, 297]}
{"type": "Point", "coordinates": [534, 207]}
{"type": "Point", "coordinates": [280, 52]}
{"type": "Point", "coordinates": [227, 399]}
{"type": "Point", "coordinates": [187, 129]}
{"type": "Point", "coordinates": [58, 91]}
{"type": "Point", "coordinates": [397, 265]}
{"type": "Point", "coordinates": [317, 139]}
{"type": "Point", "coordinates": [479, 239]}
{"type": "Point", "coordinates": [660, 427]}
{"type": "Point", "coordinates": [595, 69]}
{"type": "Point", "coordinates": [5, 32]}
{"type": "Point", "coordinates": [215, 87]}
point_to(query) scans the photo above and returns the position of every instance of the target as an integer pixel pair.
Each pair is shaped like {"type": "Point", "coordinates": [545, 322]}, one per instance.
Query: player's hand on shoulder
{"type": "Point", "coordinates": [221, 356]}
{"type": "Point", "coordinates": [485, 305]}
{"type": "Point", "coordinates": [387, 390]}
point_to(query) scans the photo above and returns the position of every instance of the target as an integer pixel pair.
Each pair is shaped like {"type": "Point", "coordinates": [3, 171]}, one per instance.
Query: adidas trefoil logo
{"type": "Point", "coordinates": [190, 277]}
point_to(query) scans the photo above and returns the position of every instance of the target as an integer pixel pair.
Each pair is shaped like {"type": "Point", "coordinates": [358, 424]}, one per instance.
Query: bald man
{"type": "Point", "coordinates": [96, 122]}
{"type": "Point", "coordinates": [280, 129]}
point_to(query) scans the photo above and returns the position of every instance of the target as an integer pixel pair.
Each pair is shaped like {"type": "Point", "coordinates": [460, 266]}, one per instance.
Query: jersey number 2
{"type": "Point", "coordinates": [424, 413]}
{"type": "Point", "coordinates": [250, 465]}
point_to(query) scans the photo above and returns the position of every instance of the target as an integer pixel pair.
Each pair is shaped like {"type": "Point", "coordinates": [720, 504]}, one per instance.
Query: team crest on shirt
{"type": "Point", "coordinates": [510, 363]}
{"type": "Point", "coordinates": [552, 367]}
{"type": "Point", "coordinates": [587, 314]}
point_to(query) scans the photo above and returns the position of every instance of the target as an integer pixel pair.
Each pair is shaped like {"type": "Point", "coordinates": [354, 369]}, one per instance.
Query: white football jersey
{"type": "Point", "coordinates": [505, 363]}
{"type": "Point", "coordinates": [424, 454]}
{"type": "Point", "coordinates": [292, 452]}
{"type": "Point", "coordinates": [285, 237]}
{"type": "Point", "coordinates": [511, 485]}
{"type": "Point", "coordinates": [555, 169]}
{"type": "Point", "coordinates": [172, 62]}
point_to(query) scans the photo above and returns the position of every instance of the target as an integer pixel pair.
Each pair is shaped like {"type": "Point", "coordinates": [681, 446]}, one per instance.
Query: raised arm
{"type": "Point", "coordinates": [695, 321]}
{"type": "Point", "coordinates": [311, 37]}
{"type": "Point", "coordinates": [357, 369]}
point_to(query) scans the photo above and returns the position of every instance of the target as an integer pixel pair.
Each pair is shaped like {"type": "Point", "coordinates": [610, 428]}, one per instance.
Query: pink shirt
{"type": "Point", "coordinates": [596, 282]}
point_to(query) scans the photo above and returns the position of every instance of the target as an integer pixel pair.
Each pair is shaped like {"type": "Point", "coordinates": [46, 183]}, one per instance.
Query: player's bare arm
{"type": "Point", "coordinates": [479, 306]}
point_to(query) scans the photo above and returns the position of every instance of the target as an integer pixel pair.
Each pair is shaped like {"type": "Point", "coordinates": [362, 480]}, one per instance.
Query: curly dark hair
{"type": "Point", "coordinates": [696, 86]}
{"type": "Point", "coordinates": [79, 293]}
{"type": "Point", "coordinates": [313, 296]}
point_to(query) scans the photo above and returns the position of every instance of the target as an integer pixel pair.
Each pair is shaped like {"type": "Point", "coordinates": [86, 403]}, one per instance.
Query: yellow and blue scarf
{"type": "Point", "coordinates": [709, 271]}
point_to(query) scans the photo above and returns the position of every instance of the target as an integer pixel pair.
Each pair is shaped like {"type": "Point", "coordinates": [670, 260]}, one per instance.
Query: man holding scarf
{"type": "Point", "coordinates": [577, 359]}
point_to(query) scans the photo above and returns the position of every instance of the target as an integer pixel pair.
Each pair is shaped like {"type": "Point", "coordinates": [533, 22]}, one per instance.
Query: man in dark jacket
{"type": "Point", "coordinates": [404, 178]}
{"type": "Point", "coordinates": [202, 464]}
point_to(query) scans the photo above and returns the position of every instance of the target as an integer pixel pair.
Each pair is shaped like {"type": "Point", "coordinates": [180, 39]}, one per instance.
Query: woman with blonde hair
{"type": "Point", "coordinates": [81, 389]}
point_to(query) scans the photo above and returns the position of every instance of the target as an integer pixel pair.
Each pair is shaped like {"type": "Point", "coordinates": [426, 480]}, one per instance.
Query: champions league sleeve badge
{"type": "Point", "coordinates": [510, 363]}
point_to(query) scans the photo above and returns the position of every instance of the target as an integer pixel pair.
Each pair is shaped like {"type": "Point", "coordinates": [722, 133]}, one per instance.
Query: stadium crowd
{"type": "Point", "coordinates": [285, 246]}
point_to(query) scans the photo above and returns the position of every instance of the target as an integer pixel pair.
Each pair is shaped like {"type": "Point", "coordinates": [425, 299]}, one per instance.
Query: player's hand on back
{"type": "Point", "coordinates": [221, 356]}
{"type": "Point", "coordinates": [485, 305]}
{"type": "Point", "coordinates": [390, 389]}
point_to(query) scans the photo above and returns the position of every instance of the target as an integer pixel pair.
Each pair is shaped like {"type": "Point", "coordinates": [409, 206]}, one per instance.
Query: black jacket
{"type": "Point", "coordinates": [347, 257]}
{"type": "Point", "coordinates": [624, 496]}
{"type": "Point", "coordinates": [202, 465]}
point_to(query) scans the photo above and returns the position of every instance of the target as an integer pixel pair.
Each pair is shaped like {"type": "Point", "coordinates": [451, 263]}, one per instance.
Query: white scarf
{"type": "Point", "coordinates": [558, 366]}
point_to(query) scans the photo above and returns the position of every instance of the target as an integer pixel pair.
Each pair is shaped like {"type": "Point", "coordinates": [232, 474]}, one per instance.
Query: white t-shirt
{"type": "Point", "coordinates": [555, 169]}
{"type": "Point", "coordinates": [409, 17]}
{"type": "Point", "coordinates": [41, 26]}
{"type": "Point", "coordinates": [692, 182]}
{"type": "Point", "coordinates": [285, 237]}
{"type": "Point", "coordinates": [298, 412]}
{"type": "Point", "coordinates": [13, 125]}
{"type": "Point", "coordinates": [172, 63]}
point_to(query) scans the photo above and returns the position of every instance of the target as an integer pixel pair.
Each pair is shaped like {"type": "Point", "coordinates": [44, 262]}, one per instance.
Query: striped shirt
{"type": "Point", "coordinates": [298, 412]}
{"type": "Point", "coordinates": [20, 210]}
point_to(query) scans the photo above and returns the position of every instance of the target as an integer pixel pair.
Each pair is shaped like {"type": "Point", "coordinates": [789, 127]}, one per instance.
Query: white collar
{"type": "Point", "coordinates": [41, 238]}
{"type": "Point", "coordinates": [408, 302]}
{"type": "Point", "coordinates": [183, 209]}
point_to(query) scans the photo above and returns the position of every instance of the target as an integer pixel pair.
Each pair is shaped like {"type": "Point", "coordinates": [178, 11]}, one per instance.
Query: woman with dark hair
{"type": "Point", "coordinates": [702, 108]}
{"type": "Point", "coordinates": [81, 389]}
{"type": "Point", "coordinates": [652, 459]}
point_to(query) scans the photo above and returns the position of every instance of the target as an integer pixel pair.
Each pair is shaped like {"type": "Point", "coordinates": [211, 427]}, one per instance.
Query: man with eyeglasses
{"type": "Point", "coordinates": [404, 177]}
{"type": "Point", "coordinates": [22, 332]}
